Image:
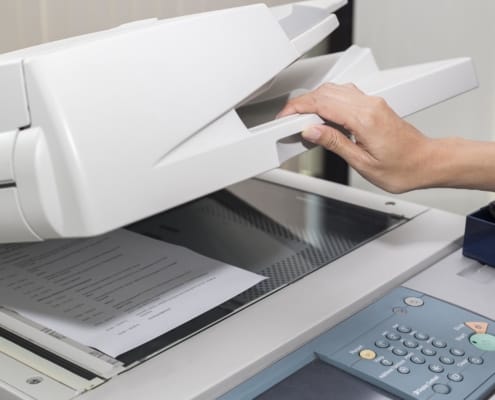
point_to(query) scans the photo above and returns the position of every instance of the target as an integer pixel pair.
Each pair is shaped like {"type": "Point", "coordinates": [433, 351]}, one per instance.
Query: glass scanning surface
{"type": "Point", "coordinates": [279, 232]}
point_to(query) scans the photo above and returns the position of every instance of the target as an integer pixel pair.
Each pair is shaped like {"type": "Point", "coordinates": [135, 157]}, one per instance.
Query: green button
{"type": "Point", "coordinates": [483, 341]}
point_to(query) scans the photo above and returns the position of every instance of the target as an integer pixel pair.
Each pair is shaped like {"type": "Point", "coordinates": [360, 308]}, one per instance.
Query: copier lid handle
{"type": "Point", "coordinates": [285, 132]}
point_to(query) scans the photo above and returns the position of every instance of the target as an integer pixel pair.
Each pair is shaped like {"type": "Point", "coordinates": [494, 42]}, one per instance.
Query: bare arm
{"type": "Point", "coordinates": [388, 151]}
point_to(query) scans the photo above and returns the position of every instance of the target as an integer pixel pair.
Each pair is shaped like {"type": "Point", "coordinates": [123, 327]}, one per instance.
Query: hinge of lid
{"type": "Point", "coordinates": [14, 109]}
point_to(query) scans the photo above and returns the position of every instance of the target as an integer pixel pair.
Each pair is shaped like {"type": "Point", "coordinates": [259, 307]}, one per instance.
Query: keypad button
{"type": "Point", "coordinates": [457, 352]}
{"type": "Point", "coordinates": [382, 344]}
{"type": "Point", "coordinates": [436, 368]}
{"type": "Point", "coordinates": [410, 344]}
{"type": "Point", "coordinates": [403, 370]}
{"type": "Point", "coordinates": [483, 341]}
{"type": "Point", "coordinates": [440, 388]}
{"type": "Point", "coordinates": [455, 377]}
{"type": "Point", "coordinates": [477, 327]}
{"type": "Point", "coordinates": [393, 336]}
{"type": "Point", "coordinates": [476, 360]}
{"type": "Point", "coordinates": [414, 301]}
{"type": "Point", "coordinates": [367, 354]}
{"type": "Point", "coordinates": [421, 336]}
{"type": "Point", "coordinates": [386, 363]}
{"type": "Point", "coordinates": [404, 329]}
{"type": "Point", "coordinates": [447, 360]}
{"type": "Point", "coordinates": [399, 352]}
{"type": "Point", "coordinates": [417, 360]}
{"type": "Point", "coordinates": [428, 352]}
{"type": "Point", "coordinates": [440, 344]}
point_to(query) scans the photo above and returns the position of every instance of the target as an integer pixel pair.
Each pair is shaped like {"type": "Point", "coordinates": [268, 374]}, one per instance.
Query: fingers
{"type": "Point", "coordinates": [312, 101]}
{"type": "Point", "coordinates": [299, 105]}
{"type": "Point", "coordinates": [341, 104]}
{"type": "Point", "coordinates": [333, 140]}
{"type": "Point", "coordinates": [287, 110]}
{"type": "Point", "coordinates": [381, 152]}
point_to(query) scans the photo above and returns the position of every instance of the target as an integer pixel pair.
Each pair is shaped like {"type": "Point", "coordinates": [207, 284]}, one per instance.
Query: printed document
{"type": "Point", "coordinates": [117, 291]}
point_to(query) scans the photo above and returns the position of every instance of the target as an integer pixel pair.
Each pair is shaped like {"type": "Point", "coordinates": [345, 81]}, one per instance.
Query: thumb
{"type": "Point", "coordinates": [333, 140]}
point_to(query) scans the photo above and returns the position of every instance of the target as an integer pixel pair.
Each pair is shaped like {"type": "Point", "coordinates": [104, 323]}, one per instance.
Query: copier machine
{"type": "Point", "coordinates": [168, 129]}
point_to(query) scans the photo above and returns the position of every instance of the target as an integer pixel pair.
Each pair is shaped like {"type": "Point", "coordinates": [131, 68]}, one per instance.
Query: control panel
{"type": "Point", "coordinates": [416, 347]}
{"type": "Point", "coordinates": [407, 345]}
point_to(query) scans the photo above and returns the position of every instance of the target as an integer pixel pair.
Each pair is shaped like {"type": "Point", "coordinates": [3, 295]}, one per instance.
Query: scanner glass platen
{"type": "Point", "coordinates": [279, 232]}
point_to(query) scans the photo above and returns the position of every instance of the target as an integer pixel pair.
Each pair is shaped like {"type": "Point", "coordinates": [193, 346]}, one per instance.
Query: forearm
{"type": "Point", "coordinates": [459, 163]}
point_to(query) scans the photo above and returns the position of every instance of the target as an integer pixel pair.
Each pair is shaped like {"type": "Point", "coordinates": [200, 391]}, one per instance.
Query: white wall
{"type": "Point", "coordinates": [407, 32]}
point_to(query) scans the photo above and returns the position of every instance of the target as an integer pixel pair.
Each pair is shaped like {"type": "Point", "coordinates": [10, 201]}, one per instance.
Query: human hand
{"type": "Point", "coordinates": [386, 150]}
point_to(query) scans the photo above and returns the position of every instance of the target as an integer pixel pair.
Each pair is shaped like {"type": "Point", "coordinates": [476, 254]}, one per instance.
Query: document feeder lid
{"type": "Point", "coordinates": [115, 126]}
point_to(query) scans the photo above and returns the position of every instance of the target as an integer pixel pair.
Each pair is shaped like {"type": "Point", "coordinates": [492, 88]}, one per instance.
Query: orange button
{"type": "Point", "coordinates": [478, 327]}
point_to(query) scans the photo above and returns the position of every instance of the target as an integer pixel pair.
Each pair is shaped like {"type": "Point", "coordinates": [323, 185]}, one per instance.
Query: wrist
{"type": "Point", "coordinates": [458, 163]}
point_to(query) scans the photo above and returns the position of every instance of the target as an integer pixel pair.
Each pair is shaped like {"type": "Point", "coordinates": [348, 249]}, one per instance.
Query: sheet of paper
{"type": "Point", "coordinates": [117, 291]}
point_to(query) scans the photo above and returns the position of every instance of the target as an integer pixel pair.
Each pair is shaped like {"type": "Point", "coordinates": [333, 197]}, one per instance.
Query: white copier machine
{"type": "Point", "coordinates": [167, 129]}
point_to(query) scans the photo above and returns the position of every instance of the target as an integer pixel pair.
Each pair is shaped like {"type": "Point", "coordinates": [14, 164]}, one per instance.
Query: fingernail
{"type": "Point", "coordinates": [311, 134]}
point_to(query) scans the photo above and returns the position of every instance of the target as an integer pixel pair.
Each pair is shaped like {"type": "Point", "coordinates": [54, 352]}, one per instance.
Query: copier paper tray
{"type": "Point", "coordinates": [154, 108]}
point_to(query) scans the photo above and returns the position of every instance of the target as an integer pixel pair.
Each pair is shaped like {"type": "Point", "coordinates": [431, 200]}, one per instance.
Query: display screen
{"type": "Point", "coordinates": [320, 381]}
